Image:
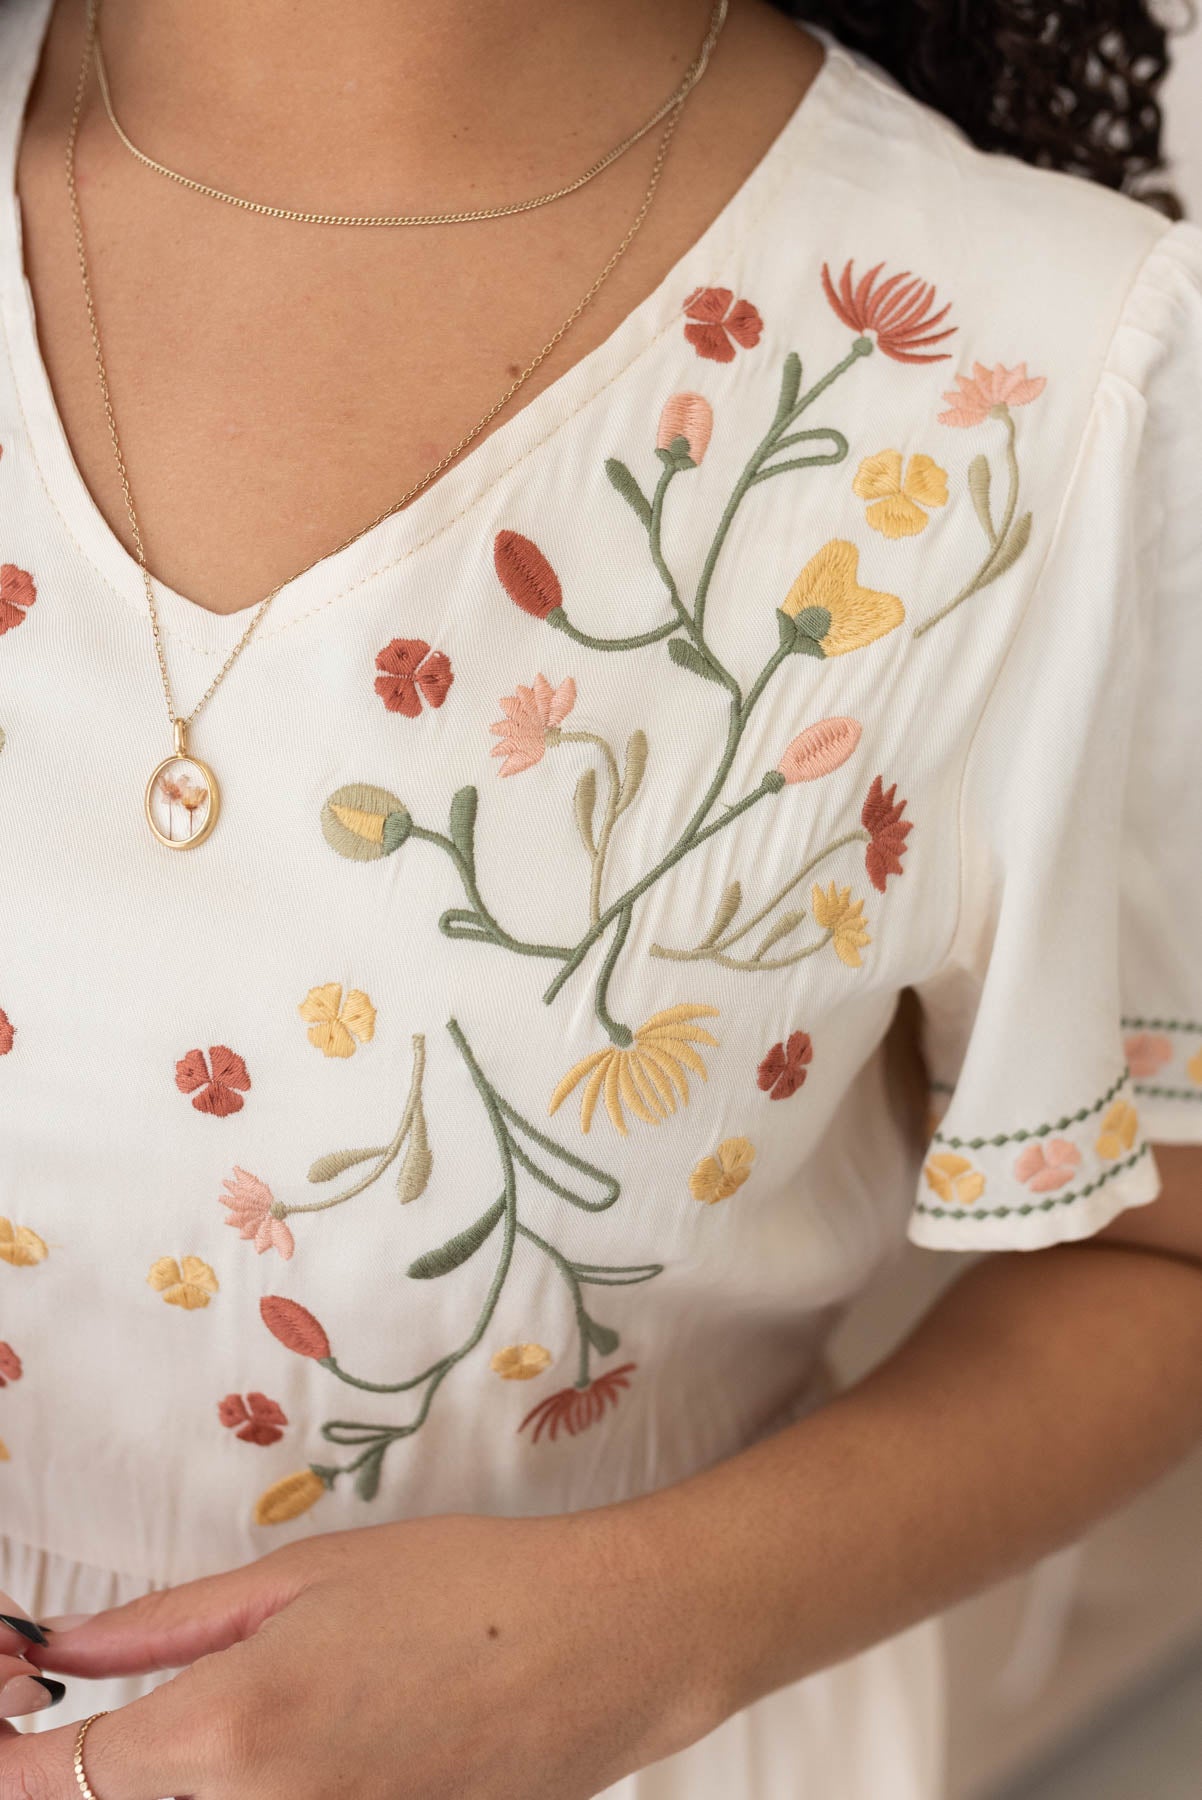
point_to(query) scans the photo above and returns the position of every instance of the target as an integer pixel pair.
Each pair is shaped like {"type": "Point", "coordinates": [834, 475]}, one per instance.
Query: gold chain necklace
{"type": "Point", "coordinates": [692, 76]}
{"type": "Point", "coordinates": [182, 797]}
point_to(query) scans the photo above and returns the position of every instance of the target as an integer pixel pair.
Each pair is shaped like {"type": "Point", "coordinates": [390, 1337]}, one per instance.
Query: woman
{"type": "Point", "coordinates": [445, 1106]}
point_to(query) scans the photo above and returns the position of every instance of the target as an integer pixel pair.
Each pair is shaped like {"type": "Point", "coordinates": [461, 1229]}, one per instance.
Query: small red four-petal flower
{"type": "Point", "coordinates": [8, 1032]}
{"type": "Point", "coordinates": [717, 322]}
{"type": "Point", "coordinates": [10, 1365]}
{"type": "Point", "coordinates": [412, 672]}
{"type": "Point", "coordinates": [887, 832]}
{"type": "Point", "coordinates": [17, 595]}
{"type": "Point", "coordinates": [786, 1066]}
{"type": "Point", "coordinates": [216, 1085]}
{"type": "Point", "coordinates": [255, 1419]}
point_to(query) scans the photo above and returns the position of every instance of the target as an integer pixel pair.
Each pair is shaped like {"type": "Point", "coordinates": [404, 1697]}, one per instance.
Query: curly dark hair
{"type": "Point", "coordinates": [1072, 86]}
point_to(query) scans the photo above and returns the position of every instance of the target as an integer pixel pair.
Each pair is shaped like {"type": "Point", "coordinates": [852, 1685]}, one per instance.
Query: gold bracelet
{"type": "Point", "coordinates": [81, 1779]}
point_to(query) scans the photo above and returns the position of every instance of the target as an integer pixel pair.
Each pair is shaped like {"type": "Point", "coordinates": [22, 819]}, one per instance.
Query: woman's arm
{"type": "Point", "coordinates": [481, 1657]}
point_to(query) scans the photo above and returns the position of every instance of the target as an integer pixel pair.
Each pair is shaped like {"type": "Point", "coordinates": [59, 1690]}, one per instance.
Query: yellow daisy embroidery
{"type": "Point", "coordinates": [838, 913]}
{"type": "Point", "coordinates": [954, 1179]}
{"type": "Point", "coordinates": [719, 1176]}
{"type": "Point", "coordinates": [647, 1076]}
{"type": "Point", "coordinates": [831, 612]}
{"type": "Point", "coordinates": [335, 1023]}
{"type": "Point", "coordinates": [189, 1284]}
{"type": "Point", "coordinates": [1117, 1131]}
{"type": "Point", "coordinates": [520, 1362]}
{"type": "Point", "coordinates": [20, 1246]}
{"type": "Point", "coordinates": [288, 1497]}
{"type": "Point", "coordinates": [4, 1455]}
{"type": "Point", "coordinates": [1193, 1068]}
{"type": "Point", "coordinates": [897, 500]}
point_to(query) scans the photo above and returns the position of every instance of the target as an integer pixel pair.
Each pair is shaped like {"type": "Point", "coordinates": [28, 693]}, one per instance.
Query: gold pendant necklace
{"type": "Point", "coordinates": [182, 798]}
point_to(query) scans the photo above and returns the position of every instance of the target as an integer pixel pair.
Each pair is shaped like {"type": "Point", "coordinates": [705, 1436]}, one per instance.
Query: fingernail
{"type": "Point", "coordinates": [26, 1627]}
{"type": "Point", "coordinates": [65, 1622]}
{"type": "Point", "coordinates": [29, 1694]}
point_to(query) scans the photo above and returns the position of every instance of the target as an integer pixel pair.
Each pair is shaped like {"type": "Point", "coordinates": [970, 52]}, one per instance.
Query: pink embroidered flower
{"type": "Point", "coordinates": [295, 1327]}
{"type": "Point", "coordinates": [786, 1066]}
{"type": "Point", "coordinates": [216, 1086]}
{"type": "Point", "coordinates": [819, 749]}
{"type": "Point", "coordinates": [412, 673]}
{"type": "Point", "coordinates": [251, 1206]}
{"type": "Point", "coordinates": [526, 575]}
{"type": "Point", "coordinates": [574, 1409]}
{"type": "Point", "coordinates": [716, 325]}
{"type": "Point", "coordinates": [1147, 1053]}
{"type": "Point", "coordinates": [975, 396]}
{"type": "Point", "coordinates": [687, 416]}
{"type": "Point", "coordinates": [10, 1365]}
{"type": "Point", "coordinates": [255, 1419]}
{"type": "Point", "coordinates": [8, 1032]}
{"type": "Point", "coordinates": [17, 595]}
{"type": "Point", "coordinates": [529, 715]}
{"type": "Point", "coordinates": [1045, 1167]}
{"type": "Point", "coordinates": [898, 311]}
{"type": "Point", "coordinates": [887, 832]}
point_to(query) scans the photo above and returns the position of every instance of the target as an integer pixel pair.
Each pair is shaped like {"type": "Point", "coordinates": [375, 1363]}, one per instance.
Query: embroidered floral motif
{"type": "Point", "coordinates": [819, 749]}
{"type": "Point", "coordinates": [1045, 1167]}
{"type": "Point", "coordinates": [954, 1179]}
{"type": "Point", "coordinates": [20, 1246]}
{"type": "Point", "coordinates": [974, 397]}
{"type": "Point", "coordinates": [17, 595]}
{"type": "Point", "coordinates": [295, 1327]}
{"type": "Point", "coordinates": [255, 1419]}
{"type": "Point", "coordinates": [5, 1453]}
{"type": "Point", "coordinates": [526, 575]}
{"type": "Point", "coordinates": [1147, 1052]}
{"type": "Point", "coordinates": [10, 1365]}
{"type": "Point", "coordinates": [190, 1283]}
{"type": "Point", "coordinates": [719, 1176]}
{"type": "Point", "coordinates": [887, 832]}
{"type": "Point", "coordinates": [717, 322]}
{"type": "Point", "coordinates": [337, 1025]}
{"type": "Point", "coordinates": [520, 1362]}
{"type": "Point", "coordinates": [8, 1032]}
{"type": "Point", "coordinates": [898, 311]}
{"type": "Point", "coordinates": [216, 1085]}
{"type": "Point", "coordinates": [837, 913]}
{"type": "Point", "coordinates": [900, 504]}
{"type": "Point", "coordinates": [252, 1212]}
{"type": "Point", "coordinates": [685, 427]}
{"type": "Point", "coordinates": [1118, 1131]}
{"type": "Point", "coordinates": [531, 715]}
{"type": "Point", "coordinates": [829, 613]}
{"type": "Point", "coordinates": [288, 1498]}
{"type": "Point", "coordinates": [644, 1076]}
{"type": "Point", "coordinates": [364, 823]}
{"type": "Point", "coordinates": [786, 1066]}
{"type": "Point", "coordinates": [575, 1409]}
{"type": "Point", "coordinates": [1193, 1067]}
{"type": "Point", "coordinates": [411, 673]}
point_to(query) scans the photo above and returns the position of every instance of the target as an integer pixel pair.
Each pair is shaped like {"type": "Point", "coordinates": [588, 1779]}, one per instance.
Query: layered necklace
{"type": "Point", "coordinates": [182, 797]}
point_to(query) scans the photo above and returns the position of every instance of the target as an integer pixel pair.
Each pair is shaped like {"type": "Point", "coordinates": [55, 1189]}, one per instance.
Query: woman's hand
{"type": "Point", "coordinates": [442, 1657]}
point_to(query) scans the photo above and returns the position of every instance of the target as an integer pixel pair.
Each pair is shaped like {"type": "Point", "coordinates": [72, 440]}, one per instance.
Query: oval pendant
{"type": "Point", "coordinates": [182, 799]}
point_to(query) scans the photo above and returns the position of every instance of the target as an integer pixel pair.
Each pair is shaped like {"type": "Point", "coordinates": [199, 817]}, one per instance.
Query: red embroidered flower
{"type": "Point", "coordinates": [10, 1365]}
{"type": "Point", "coordinates": [887, 830]}
{"type": "Point", "coordinates": [575, 1409]}
{"type": "Point", "coordinates": [256, 1420]}
{"type": "Point", "coordinates": [898, 311]}
{"type": "Point", "coordinates": [17, 595]}
{"type": "Point", "coordinates": [526, 575]}
{"type": "Point", "coordinates": [786, 1066]}
{"type": "Point", "coordinates": [8, 1032]}
{"type": "Point", "coordinates": [412, 672]}
{"type": "Point", "coordinates": [716, 326]}
{"type": "Point", "coordinates": [295, 1327]}
{"type": "Point", "coordinates": [221, 1081]}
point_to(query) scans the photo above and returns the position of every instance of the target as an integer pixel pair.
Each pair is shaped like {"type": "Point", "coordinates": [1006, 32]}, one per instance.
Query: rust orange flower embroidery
{"type": "Point", "coordinates": [294, 1326]}
{"type": "Point", "coordinates": [786, 1066]}
{"type": "Point", "coordinates": [255, 1419]}
{"type": "Point", "coordinates": [717, 322]}
{"type": "Point", "coordinates": [887, 833]}
{"type": "Point", "coordinates": [819, 749]}
{"type": "Point", "coordinates": [954, 1179]}
{"type": "Point", "coordinates": [974, 396]}
{"type": "Point", "coordinates": [10, 1365]}
{"type": "Point", "coordinates": [1045, 1167]}
{"type": "Point", "coordinates": [574, 1409]}
{"type": "Point", "coordinates": [520, 1362]}
{"type": "Point", "coordinates": [411, 673]}
{"type": "Point", "coordinates": [526, 575]}
{"type": "Point", "coordinates": [17, 595]}
{"type": "Point", "coordinates": [898, 312]}
{"type": "Point", "coordinates": [687, 416]}
{"type": "Point", "coordinates": [8, 1032]}
{"type": "Point", "coordinates": [251, 1206]}
{"type": "Point", "coordinates": [190, 1283]}
{"type": "Point", "coordinates": [531, 715]}
{"type": "Point", "coordinates": [337, 1025]}
{"type": "Point", "coordinates": [216, 1085]}
{"type": "Point", "coordinates": [1147, 1053]}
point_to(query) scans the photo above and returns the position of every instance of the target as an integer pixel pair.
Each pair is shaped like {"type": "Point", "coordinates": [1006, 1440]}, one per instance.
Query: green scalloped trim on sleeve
{"type": "Point", "coordinates": [1034, 1131]}
{"type": "Point", "coordinates": [1035, 1206]}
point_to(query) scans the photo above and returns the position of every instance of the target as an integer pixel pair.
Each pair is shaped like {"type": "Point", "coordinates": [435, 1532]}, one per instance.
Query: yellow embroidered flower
{"type": "Point", "coordinates": [1117, 1131]}
{"type": "Point", "coordinates": [4, 1455]}
{"type": "Point", "coordinates": [645, 1077]}
{"type": "Point", "coordinates": [335, 1022]}
{"type": "Point", "coordinates": [189, 1284]}
{"type": "Point", "coordinates": [364, 823]}
{"type": "Point", "coordinates": [719, 1176]}
{"type": "Point", "coordinates": [1193, 1068]}
{"type": "Point", "coordinates": [831, 612]}
{"type": "Point", "coordinates": [288, 1498]}
{"type": "Point", "coordinates": [835, 911]}
{"type": "Point", "coordinates": [897, 500]}
{"type": "Point", "coordinates": [954, 1179]}
{"type": "Point", "coordinates": [520, 1362]}
{"type": "Point", "coordinates": [20, 1246]}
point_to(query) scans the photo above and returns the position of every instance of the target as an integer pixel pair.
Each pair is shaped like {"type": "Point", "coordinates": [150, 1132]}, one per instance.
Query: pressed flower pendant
{"type": "Point", "coordinates": [182, 798]}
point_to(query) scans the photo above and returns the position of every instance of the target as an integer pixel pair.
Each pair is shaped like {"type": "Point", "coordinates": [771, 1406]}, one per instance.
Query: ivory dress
{"type": "Point", "coordinates": [490, 1114]}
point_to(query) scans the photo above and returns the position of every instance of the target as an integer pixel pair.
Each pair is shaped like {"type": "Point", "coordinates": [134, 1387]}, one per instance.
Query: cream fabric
{"type": "Point", "coordinates": [1051, 926]}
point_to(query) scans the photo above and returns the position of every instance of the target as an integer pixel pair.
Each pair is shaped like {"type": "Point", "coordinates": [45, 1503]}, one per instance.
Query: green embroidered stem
{"type": "Point", "coordinates": [1037, 1131]}
{"type": "Point", "coordinates": [1006, 543]}
{"type": "Point", "coordinates": [840, 843]}
{"type": "Point", "coordinates": [559, 619]}
{"type": "Point", "coordinates": [339, 1159]}
{"type": "Point", "coordinates": [621, 1034]}
{"type": "Point", "coordinates": [1036, 1206]}
{"type": "Point", "coordinates": [494, 932]}
{"type": "Point", "coordinates": [693, 628]}
{"type": "Point", "coordinates": [582, 1318]}
{"type": "Point", "coordinates": [598, 851]}
{"type": "Point", "coordinates": [805, 462]}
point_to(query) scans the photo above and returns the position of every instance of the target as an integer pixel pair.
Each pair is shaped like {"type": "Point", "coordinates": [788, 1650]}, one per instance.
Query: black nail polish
{"type": "Point", "coordinates": [26, 1627]}
{"type": "Point", "coordinates": [55, 1689]}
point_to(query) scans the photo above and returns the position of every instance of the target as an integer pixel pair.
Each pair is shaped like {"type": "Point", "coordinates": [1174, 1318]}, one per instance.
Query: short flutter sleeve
{"type": "Point", "coordinates": [1064, 1031]}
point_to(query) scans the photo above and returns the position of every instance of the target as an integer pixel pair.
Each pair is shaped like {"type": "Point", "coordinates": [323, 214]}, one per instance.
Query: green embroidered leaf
{"type": "Point", "coordinates": [790, 384]}
{"type": "Point", "coordinates": [784, 925]}
{"type": "Point", "coordinates": [397, 827]}
{"type": "Point", "coordinates": [626, 485]}
{"type": "Point", "coordinates": [678, 455]}
{"type": "Point", "coordinates": [418, 1162]}
{"type": "Point", "coordinates": [339, 1161]}
{"type": "Point", "coordinates": [463, 824]}
{"type": "Point", "coordinates": [1012, 548]}
{"type": "Point", "coordinates": [786, 625]}
{"type": "Point", "coordinates": [603, 1340]}
{"type": "Point", "coordinates": [462, 922]}
{"type": "Point", "coordinates": [978, 487]}
{"type": "Point", "coordinates": [811, 625]}
{"type": "Point", "coordinates": [686, 656]}
{"type": "Point", "coordinates": [602, 1275]}
{"type": "Point", "coordinates": [456, 1250]}
{"type": "Point", "coordinates": [728, 906]}
{"type": "Point", "coordinates": [586, 806]}
{"type": "Point", "coordinates": [353, 820]}
{"type": "Point", "coordinates": [367, 1480]}
{"type": "Point", "coordinates": [632, 773]}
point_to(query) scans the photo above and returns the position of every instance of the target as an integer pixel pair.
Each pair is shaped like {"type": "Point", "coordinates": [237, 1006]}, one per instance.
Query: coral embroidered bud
{"type": "Point", "coordinates": [819, 749]}
{"type": "Point", "coordinates": [688, 418]}
{"type": "Point", "coordinates": [526, 575]}
{"type": "Point", "coordinates": [295, 1327]}
{"type": "Point", "coordinates": [288, 1498]}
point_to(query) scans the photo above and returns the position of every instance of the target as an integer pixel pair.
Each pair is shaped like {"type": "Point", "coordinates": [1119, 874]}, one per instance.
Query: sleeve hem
{"type": "Point", "coordinates": [1036, 1225]}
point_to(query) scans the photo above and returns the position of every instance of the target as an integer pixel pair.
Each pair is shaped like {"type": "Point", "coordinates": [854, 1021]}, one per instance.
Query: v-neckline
{"type": "Point", "coordinates": [393, 540]}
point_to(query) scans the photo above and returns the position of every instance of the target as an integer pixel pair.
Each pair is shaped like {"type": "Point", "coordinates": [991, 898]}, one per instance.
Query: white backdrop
{"type": "Point", "coordinates": [1183, 104]}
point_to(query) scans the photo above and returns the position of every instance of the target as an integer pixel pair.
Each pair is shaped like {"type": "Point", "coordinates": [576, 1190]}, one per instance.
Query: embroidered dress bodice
{"type": "Point", "coordinates": [492, 1114]}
